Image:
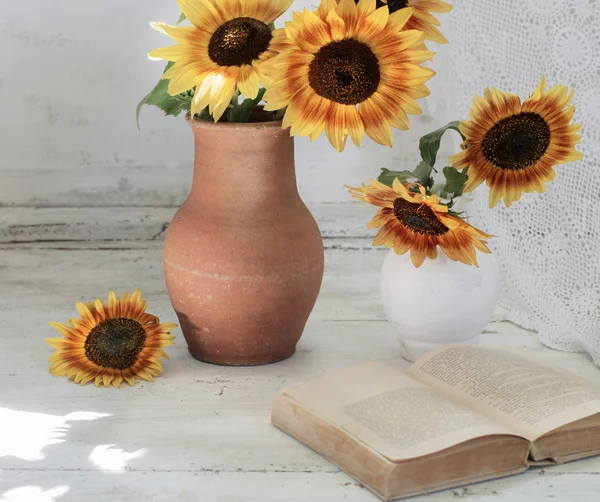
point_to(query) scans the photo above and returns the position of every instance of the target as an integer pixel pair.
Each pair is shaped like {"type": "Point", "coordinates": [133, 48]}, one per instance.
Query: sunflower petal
{"type": "Point", "coordinates": [325, 7]}
{"type": "Point", "coordinates": [85, 314]}
{"type": "Point", "coordinates": [348, 11]}
{"type": "Point", "coordinates": [201, 14]}
{"type": "Point", "coordinates": [248, 82]}
{"type": "Point", "coordinates": [58, 343]}
{"type": "Point", "coordinates": [171, 53]}
{"type": "Point", "coordinates": [399, 18]}
{"type": "Point", "coordinates": [375, 122]}
{"type": "Point", "coordinates": [310, 35]}
{"type": "Point", "coordinates": [336, 25]}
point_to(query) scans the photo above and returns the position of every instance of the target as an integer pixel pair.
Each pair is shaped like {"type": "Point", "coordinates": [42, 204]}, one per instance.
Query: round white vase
{"type": "Point", "coordinates": [442, 302]}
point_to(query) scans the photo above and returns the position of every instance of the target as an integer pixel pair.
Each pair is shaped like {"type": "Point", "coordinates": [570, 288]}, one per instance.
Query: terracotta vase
{"type": "Point", "coordinates": [243, 256]}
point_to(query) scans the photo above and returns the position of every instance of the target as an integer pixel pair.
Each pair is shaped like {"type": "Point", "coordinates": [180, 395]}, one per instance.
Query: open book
{"type": "Point", "coordinates": [460, 415]}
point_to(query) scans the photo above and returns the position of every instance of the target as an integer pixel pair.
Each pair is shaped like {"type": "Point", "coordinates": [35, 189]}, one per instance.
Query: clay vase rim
{"type": "Point", "coordinates": [233, 126]}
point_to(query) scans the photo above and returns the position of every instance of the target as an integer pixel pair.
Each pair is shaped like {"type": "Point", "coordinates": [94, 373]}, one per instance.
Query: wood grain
{"type": "Point", "coordinates": [52, 224]}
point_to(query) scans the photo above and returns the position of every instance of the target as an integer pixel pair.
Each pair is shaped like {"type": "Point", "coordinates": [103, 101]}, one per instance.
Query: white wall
{"type": "Point", "coordinates": [71, 75]}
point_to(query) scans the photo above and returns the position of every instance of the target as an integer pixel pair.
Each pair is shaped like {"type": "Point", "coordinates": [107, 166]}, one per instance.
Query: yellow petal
{"type": "Point", "coordinates": [435, 35]}
{"type": "Point", "coordinates": [349, 13]}
{"type": "Point", "coordinates": [366, 7]}
{"type": "Point", "coordinates": [66, 331]}
{"type": "Point", "coordinates": [201, 13]}
{"type": "Point", "coordinates": [60, 370]}
{"type": "Point", "coordinates": [168, 327]}
{"type": "Point", "coordinates": [222, 98]}
{"type": "Point", "coordinates": [177, 33]}
{"type": "Point", "coordinates": [130, 380]}
{"type": "Point", "coordinates": [336, 25]}
{"type": "Point", "coordinates": [310, 35]}
{"type": "Point", "coordinates": [113, 305]}
{"type": "Point", "coordinates": [87, 378]}
{"type": "Point", "coordinates": [336, 130]}
{"type": "Point", "coordinates": [85, 314]}
{"type": "Point", "coordinates": [325, 7]}
{"type": "Point", "coordinates": [171, 53]}
{"type": "Point", "coordinates": [375, 22]}
{"type": "Point", "coordinates": [136, 296]}
{"type": "Point", "coordinates": [376, 124]}
{"type": "Point", "coordinates": [58, 343]}
{"type": "Point", "coordinates": [99, 304]}
{"type": "Point", "coordinates": [145, 375]}
{"type": "Point", "coordinates": [117, 381]}
{"type": "Point", "coordinates": [248, 82]}
{"type": "Point", "coordinates": [439, 6]}
{"type": "Point", "coordinates": [107, 379]}
{"type": "Point", "coordinates": [186, 78]}
{"type": "Point", "coordinates": [398, 19]}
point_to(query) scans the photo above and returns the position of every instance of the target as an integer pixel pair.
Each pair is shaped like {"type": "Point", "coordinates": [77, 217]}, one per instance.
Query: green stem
{"type": "Point", "coordinates": [234, 104]}
{"type": "Point", "coordinates": [279, 114]}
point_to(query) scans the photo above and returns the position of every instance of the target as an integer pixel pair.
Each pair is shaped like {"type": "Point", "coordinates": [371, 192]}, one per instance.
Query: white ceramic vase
{"type": "Point", "coordinates": [441, 302]}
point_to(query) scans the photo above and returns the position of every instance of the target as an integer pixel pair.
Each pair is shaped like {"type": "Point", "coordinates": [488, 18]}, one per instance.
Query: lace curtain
{"type": "Point", "coordinates": [549, 245]}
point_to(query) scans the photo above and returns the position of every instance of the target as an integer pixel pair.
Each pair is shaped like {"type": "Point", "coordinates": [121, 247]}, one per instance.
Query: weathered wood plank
{"type": "Point", "coordinates": [31, 224]}
{"type": "Point", "coordinates": [55, 279]}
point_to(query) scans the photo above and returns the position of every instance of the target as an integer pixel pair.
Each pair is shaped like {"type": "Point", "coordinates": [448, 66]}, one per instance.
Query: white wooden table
{"type": "Point", "coordinates": [200, 433]}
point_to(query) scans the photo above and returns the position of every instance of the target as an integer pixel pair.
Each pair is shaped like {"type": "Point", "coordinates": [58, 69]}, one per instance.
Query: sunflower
{"type": "Point", "coordinates": [422, 19]}
{"type": "Point", "coordinates": [512, 146]}
{"type": "Point", "coordinates": [111, 343]}
{"type": "Point", "coordinates": [225, 47]}
{"type": "Point", "coordinates": [350, 69]}
{"type": "Point", "coordinates": [419, 223]}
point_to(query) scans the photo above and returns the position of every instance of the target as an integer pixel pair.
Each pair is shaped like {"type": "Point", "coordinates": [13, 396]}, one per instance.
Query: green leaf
{"type": "Point", "coordinates": [423, 170]}
{"type": "Point", "coordinates": [455, 181]}
{"type": "Point", "coordinates": [437, 188]}
{"type": "Point", "coordinates": [241, 113]}
{"type": "Point", "coordinates": [422, 174]}
{"type": "Point", "coordinates": [160, 97]}
{"type": "Point", "coordinates": [280, 114]}
{"type": "Point", "coordinates": [430, 143]}
{"type": "Point", "coordinates": [181, 19]}
{"type": "Point", "coordinates": [387, 177]}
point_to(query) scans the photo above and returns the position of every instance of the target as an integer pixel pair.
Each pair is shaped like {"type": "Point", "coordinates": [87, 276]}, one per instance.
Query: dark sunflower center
{"type": "Point", "coordinates": [517, 142]}
{"type": "Point", "coordinates": [393, 5]}
{"type": "Point", "coordinates": [419, 218]}
{"type": "Point", "coordinates": [239, 42]}
{"type": "Point", "coordinates": [115, 343]}
{"type": "Point", "coordinates": [346, 72]}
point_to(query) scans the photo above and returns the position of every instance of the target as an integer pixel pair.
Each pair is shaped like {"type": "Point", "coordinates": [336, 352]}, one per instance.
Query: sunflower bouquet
{"type": "Point", "coordinates": [510, 145]}
{"type": "Point", "coordinates": [348, 68]}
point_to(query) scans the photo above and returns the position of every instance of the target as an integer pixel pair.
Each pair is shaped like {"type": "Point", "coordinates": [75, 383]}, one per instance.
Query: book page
{"type": "Point", "coordinates": [392, 413]}
{"type": "Point", "coordinates": [522, 392]}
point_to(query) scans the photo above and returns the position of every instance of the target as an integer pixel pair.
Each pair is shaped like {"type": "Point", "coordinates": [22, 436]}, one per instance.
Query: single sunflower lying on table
{"type": "Point", "coordinates": [111, 343]}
